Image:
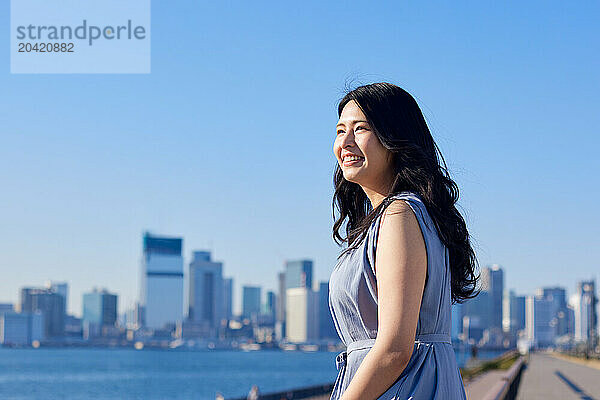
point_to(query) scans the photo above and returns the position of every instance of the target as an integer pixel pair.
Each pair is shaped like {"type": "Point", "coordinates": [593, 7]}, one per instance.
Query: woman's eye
{"type": "Point", "coordinates": [359, 127]}
{"type": "Point", "coordinates": [340, 131]}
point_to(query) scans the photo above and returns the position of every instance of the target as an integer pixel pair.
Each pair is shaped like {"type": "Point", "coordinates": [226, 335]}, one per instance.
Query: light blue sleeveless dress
{"type": "Point", "coordinates": [432, 372]}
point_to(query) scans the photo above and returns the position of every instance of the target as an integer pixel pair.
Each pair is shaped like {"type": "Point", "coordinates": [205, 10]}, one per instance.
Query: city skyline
{"type": "Point", "coordinates": [202, 147]}
{"type": "Point", "coordinates": [75, 307]}
{"type": "Point", "coordinates": [295, 265]}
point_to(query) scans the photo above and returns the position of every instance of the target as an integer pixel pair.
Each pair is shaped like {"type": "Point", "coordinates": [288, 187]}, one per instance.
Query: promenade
{"type": "Point", "coordinates": [550, 377]}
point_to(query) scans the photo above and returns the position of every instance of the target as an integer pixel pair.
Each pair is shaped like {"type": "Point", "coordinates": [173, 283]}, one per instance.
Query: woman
{"type": "Point", "coordinates": [408, 256]}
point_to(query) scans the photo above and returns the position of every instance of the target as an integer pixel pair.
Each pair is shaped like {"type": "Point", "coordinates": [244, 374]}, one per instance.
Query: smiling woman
{"type": "Point", "coordinates": [408, 254]}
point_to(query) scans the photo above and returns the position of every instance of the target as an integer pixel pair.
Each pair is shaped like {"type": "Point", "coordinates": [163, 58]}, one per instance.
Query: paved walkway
{"type": "Point", "coordinates": [479, 386]}
{"type": "Point", "coordinates": [548, 377]}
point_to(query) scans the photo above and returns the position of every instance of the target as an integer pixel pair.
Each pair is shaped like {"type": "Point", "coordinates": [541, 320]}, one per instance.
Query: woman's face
{"type": "Point", "coordinates": [360, 154]}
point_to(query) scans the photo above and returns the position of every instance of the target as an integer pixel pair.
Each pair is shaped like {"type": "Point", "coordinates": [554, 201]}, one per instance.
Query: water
{"type": "Point", "coordinates": [159, 374]}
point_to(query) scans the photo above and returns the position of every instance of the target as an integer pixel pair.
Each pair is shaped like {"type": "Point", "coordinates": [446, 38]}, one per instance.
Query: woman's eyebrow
{"type": "Point", "coordinates": [355, 121]}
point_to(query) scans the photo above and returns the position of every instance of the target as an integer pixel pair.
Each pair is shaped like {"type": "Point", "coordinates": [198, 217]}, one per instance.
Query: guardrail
{"type": "Point", "coordinates": [303, 393]}
{"type": "Point", "coordinates": [506, 388]}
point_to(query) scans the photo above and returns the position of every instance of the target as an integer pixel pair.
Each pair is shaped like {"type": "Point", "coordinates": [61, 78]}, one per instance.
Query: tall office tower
{"type": "Point", "coordinates": [228, 297]}
{"type": "Point", "coordinates": [302, 315]}
{"type": "Point", "coordinates": [51, 305]}
{"type": "Point", "coordinates": [61, 288]}
{"type": "Point", "coordinates": [251, 302]}
{"type": "Point", "coordinates": [513, 312]}
{"type": "Point", "coordinates": [584, 307]}
{"type": "Point", "coordinates": [99, 310]}
{"type": "Point", "coordinates": [538, 323]}
{"type": "Point", "coordinates": [492, 281]}
{"type": "Point", "coordinates": [558, 297]}
{"type": "Point", "coordinates": [23, 328]}
{"type": "Point", "coordinates": [475, 315]}
{"type": "Point", "coordinates": [161, 296]}
{"type": "Point", "coordinates": [270, 304]}
{"type": "Point", "coordinates": [280, 312]}
{"type": "Point", "coordinates": [298, 274]}
{"type": "Point", "coordinates": [326, 325]}
{"type": "Point", "coordinates": [206, 299]}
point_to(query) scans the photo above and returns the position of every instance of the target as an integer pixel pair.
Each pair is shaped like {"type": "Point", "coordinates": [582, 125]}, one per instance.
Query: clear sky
{"type": "Point", "coordinates": [228, 142]}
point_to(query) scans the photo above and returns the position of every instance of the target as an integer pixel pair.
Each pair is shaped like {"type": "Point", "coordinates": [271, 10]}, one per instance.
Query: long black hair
{"type": "Point", "coordinates": [398, 123]}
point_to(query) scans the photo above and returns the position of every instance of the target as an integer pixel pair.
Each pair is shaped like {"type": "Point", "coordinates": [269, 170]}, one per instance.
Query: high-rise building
{"type": "Point", "coordinates": [51, 304]}
{"type": "Point", "coordinates": [280, 312]}
{"type": "Point", "coordinates": [326, 325]}
{"type": "Point", "coordinates": [476, 316]}
{"type": "Point", "coordinates": [161, 296]}
{"type": "Point", "coordinates": [492, 281]}
{"type": "Point", "coordinates": [23, 328]}
{"type": "Point", "coordinates": [538, 324]}
{"type": "Point", "coordinates": [513, 311]}
{"type": "Point", "coordinates": [558, 297]}
{"type": "Point", "coordinates": [302, 315]}
{"type": "Point", "coordinates": [270, 304]}
{"type": "Point", "coordinates": [298, 274]}
{"type": "Point", "coordinates": [61, 288]}
{"type": "Point", "coordinates": [251, 302]}
{"type": "Point", "coordinates": [99, 308]}
{"type": "Point", "coordinates": [206, 294]}
{"type": "Point", "coordinates": [228, 297]}
{"type": "Point", "coordinates": [584, 306]}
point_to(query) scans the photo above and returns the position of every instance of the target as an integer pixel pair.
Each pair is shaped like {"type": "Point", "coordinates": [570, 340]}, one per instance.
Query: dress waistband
{"type": "Point", "coordinates": [340, 359]}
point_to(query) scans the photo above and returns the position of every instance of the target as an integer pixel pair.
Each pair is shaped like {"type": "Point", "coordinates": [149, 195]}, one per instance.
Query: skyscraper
{"type": "Point", "coordinates": [251, 301]}
{"type": "Point", "coordinates": [558, 297]}
{"type": "Point", "coordinates": [326, 325]}
{"type": "Point", "coordinates": [61, 288]}
{"type": "Point", "coordinates": [513, 312]}
{"type": "Point", "coordinates": [99, 310]}
{"type": "Point", "coordinates": [50, 304]}
{"type": "Point", "coordinates": [206, 297]}
{"type": "Point", "coordinates": [270, 304]}
{"type": "Point", "coordinates": [162, 281]}
{"type": "Point", "coordinates": [492, 281]}
{"type": "Point", "coordinates": [584, 305]}
{"type": "Point", "coordinates": [280, 312]}
{"type": "Point", "coordinates": [302, 315]}
{"type": "Point", "coordinates": [298, 274]}
{"type": "Point", "coordinates": [228, 297]}
{"type": "Point", "coordinates": [538, 324]}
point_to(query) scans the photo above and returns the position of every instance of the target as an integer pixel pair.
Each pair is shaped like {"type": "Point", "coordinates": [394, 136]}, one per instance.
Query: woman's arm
{"type": "Point", "coordinates": [401, 267]}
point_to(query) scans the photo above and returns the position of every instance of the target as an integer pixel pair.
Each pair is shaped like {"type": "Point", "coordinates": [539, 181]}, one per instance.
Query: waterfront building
{"type": "Point", "coordinates": [326, 325]}
{"type": "Point", "coordinates": [99, 311]}
{"type": "Point", "coordinates": [538, 324]}
{"type": "Point", "coordinates": [298, 274]}
{"type": "Point", "coordinates": [228, 297]}
{"type": "Point", "coordinates": [161, 295]}
{"type": "Point", "coordinates": [51, 304]}
{"type": "Point", "coordinates": [492, 281]}
{"type": "Point", "coordinates": [21, 329]}
{"type": "Point", "coordinates": [207, 305]}
{"type": "Point", "coordinates": [302, 315]}
{"type": "Point", "coordinates": [584, 307]}
{"type": "Point", "coordinates": [513, 313]}
{"type": "Point", "coordinates": [251, 296]}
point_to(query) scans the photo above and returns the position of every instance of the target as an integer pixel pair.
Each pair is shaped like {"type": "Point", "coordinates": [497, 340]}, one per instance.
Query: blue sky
{"type": "Point", "coordinates": [228, 142]}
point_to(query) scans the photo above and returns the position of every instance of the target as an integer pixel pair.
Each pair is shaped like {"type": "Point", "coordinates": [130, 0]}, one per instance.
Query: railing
{"type": "Point", "coordinates": [507, 387]}
{"type": "Point", "coordinates": [303, 393]}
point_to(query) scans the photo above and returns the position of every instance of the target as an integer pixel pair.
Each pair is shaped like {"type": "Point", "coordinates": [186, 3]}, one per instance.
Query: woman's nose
{"type": "Point", "coordinates": [347, 140]}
